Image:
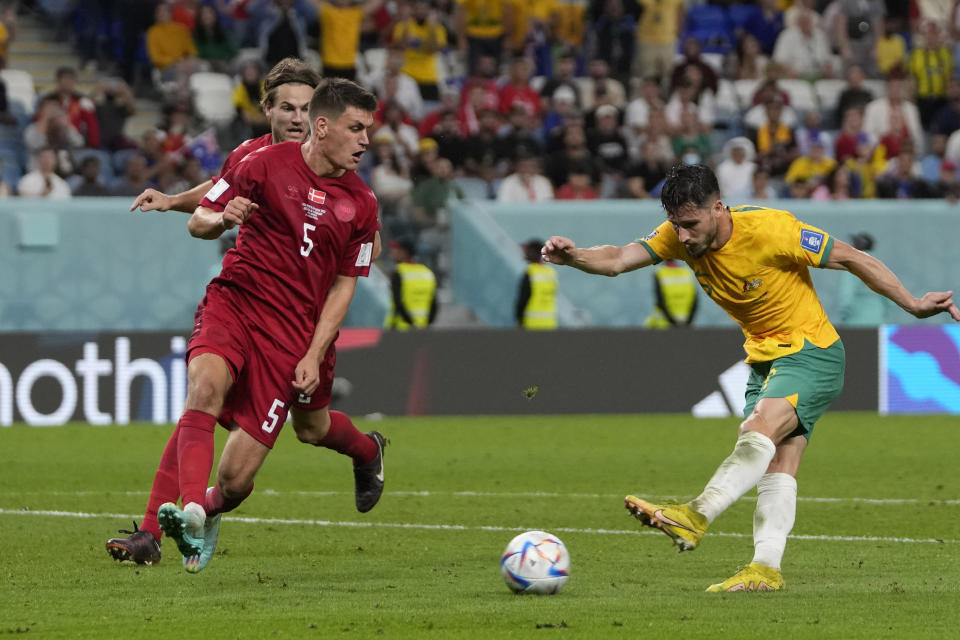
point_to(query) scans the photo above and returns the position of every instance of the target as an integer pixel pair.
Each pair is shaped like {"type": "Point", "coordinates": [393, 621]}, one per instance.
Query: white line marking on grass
{"type": "Point", "coordinates": [464, 527]}
{"type": "Point", "coordinates": [508, 495]}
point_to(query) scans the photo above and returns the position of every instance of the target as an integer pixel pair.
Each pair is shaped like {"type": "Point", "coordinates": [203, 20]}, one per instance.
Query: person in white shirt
{"type": "Point", "coordinates": [877, 115]}
{"type": "Point", "coordinates": [392, 84]}
{"type": "Point", "coordinates": [804, 50]}
{"type": "Point", "coordinates": [526, 183]}
{"type": "Point", "coordinates": [43, 182]}
{"type": "Point", "coordinates": [735, 172]}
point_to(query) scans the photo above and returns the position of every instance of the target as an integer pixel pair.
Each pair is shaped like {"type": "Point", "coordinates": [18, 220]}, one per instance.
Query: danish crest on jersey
{"type": "Point", "coordinates": [316, 196]}
{"type": "Point", "coordinates": [811, 240]}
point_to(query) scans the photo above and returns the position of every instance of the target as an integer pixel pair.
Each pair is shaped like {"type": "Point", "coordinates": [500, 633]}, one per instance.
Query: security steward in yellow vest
{"type": "Point", "coordinates": [414, 288]}
{"type": "Point", "coordinates": [676, 291]}
{"type": "Point", "coordinates": [537, 299]}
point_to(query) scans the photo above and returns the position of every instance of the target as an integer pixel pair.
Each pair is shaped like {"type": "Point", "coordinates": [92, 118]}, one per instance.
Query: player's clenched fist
{"type": "Point", "coordinates": [237, 211]}
{"type": "Point", "coordinates": [558, 250]}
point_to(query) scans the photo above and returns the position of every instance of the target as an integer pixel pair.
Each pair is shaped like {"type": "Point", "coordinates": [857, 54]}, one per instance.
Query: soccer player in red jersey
{"type": "Point", "coordinates": [263, 338]}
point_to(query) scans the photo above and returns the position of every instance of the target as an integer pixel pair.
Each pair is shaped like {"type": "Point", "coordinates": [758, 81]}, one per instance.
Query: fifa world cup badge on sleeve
{"type": "Point", "coordinates": [811, 240]}
{"type": "Point", "coordinates": [217, 190]}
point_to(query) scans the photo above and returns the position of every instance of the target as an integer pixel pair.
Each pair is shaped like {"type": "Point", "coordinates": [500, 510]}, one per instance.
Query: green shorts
{"type": "Point", "coordinates": [811, 379]}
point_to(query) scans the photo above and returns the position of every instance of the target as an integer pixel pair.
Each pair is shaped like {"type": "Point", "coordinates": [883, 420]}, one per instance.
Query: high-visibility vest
{"type": "Point", "coordinates": [417, 288]}
{"type": "Point", "coordinates": [679, 290]}
{"type": "Point", "coordinates": [541, 309]}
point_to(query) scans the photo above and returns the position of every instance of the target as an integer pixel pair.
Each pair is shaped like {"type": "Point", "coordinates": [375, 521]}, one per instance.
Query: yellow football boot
{"type": "Point", "coordinates": [679, 521]}
{"type": "Point", "coordinates": [753, 577]}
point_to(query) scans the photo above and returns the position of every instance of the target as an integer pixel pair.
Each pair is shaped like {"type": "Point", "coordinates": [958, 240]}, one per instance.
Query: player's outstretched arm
{"type": "Point", "coordinates": [209, 224]}
{"type": "Point", "coordinates": [881, 279]}
{"type": "Point", "coordinates": [187, 201]}
{"type": "Point", "coordinates": [606, 260]}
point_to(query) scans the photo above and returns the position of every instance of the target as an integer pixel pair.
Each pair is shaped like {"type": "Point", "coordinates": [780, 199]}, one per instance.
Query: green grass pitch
{"type": "Point", "coordinates": [875, 552]}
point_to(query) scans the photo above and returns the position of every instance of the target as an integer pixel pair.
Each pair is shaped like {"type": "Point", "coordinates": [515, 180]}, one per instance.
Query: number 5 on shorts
{"type": "Point", "coordinates": [269, 425]}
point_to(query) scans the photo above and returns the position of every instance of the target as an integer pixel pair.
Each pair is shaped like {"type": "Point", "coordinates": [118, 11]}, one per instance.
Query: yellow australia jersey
{"type": "Point", "coordinates": [761, 278]}
{"type": "Point", "coordinates": [340, 35]}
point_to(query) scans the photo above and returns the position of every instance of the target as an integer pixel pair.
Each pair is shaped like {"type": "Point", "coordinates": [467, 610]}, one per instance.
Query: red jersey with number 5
{"type": "Point", "coordinates": [290, 249]}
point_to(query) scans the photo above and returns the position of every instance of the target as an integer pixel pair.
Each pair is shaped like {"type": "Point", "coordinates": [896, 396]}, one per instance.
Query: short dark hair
{"type": "Point", "coordinates": [333, 95]}
{"type": "Point", "coordinates": [287, 71]}
{"type": "Point", "coordinates": [688, 184]}
{"type": "Point", "coordinates": [65, 71]}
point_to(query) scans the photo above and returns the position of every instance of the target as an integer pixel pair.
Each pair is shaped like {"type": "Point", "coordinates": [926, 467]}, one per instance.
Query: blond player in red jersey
{"type": "Point", "coordinates": [754, 262]}
{"type": "Point", "coordinates": [320, 427]}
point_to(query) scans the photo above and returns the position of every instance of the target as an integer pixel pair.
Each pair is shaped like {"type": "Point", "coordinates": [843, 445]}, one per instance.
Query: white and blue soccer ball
{"type": "Point", "coordinates": [535, 562]}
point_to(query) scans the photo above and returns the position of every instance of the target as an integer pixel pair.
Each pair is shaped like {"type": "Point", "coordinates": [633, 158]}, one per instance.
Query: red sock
{"type": "Point", "coordinates": [195, 454]}
{"type": "Point", "coordinates": [345, 438]}
{"type": "Point", "coordinates": [215, 502]}
{"type": "Point", "coordinates": [166, 487]}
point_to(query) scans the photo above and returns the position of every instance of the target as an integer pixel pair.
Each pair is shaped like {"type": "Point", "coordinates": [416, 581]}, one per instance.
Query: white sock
{"type": "Point", "coordinates": [773, 518]}
{"type": "Point", "coordinates": [736, 475]}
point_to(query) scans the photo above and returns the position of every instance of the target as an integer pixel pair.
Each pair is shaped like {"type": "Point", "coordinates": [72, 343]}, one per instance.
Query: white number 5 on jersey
{"type": "Point", "coordinates": [307, 245]}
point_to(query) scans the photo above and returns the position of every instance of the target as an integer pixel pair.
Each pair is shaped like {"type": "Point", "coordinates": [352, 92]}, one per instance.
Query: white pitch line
{"type": "Point", "coordinates": [508, 495]}
{"type": "Point", "coordinates": [463, 527]}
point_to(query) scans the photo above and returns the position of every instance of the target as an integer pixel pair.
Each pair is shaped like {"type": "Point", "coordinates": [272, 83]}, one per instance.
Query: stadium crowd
{"type": "Point", "coordinates": [518, 100]}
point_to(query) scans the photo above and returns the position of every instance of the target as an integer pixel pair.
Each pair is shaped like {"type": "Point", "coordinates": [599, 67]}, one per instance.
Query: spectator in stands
{"type": "Point", "coordinates": [484, 77]}
{"type": "Point", "coordinates": [134, 17]}
{"type": "Point", "coordinates": [531, 33]}
{"type": "Point", "coordinates": [735, 171]}
{"type": "Point", "coordinates": [855, 94]}
{"type": "Point", "coordinates": [658, 131]}
{"type": "Point", "coordinates": [761, 188]}
{"type": "Point", "coordinates": [52, 128]}
{"type": "Point", "coordinates": [891, 50]}
{"type": "Point", "coordinates": [135, 178]}
{"type": "Point", "coordinates": [638, 110]}
{"type": "Point", "coordinates": [517, 90]}
{"type": "Point", "coordinates": [748, 62]}
{"type": "Point", "coordinates": [562, 107]}
{"type": "Point", "coordinates": [78, 107]}
{"type": "Point", "coordinates": [766, 25]}
{"type": "Point", "coordinates": [430, 200]}
{"type": "Point", "coordinates": [838, 185]}
{"type": "Point", "coordinates": [774, 141]}
{"type": "Point", "coordinates": [403, 136]}
{"type": "Point", "coordinates": [170, 47]}
{"type": "Point", "coordinates": [879, 114]}
{"type": "Point", "coordinates": [579, 184]}
{"type": "Point", "coordinates": [390, 181]}
{"type": "Point", "coordinates": [449, 102]}
{"type": "Point", "coordinates": [563, 76]}
{"type": "Point", "coordinates": [690, 141]}
{"type": "Point", "coordinates": [43, 181]}
{"type": "Point", "coordinates": [518, 135]}
{"type": "Point", "coordinates": [756, 115]}
{"type": "Point", "coordinates": [282, 33]}
{"type": "Point", "coordinates": [901, 179]}
{"type": "Point", "coordinates": [658, 28]}
{"type": "Point", "coordinates": [600, 88]}
{"type": "Point", "coordinates": [8, 23]}
{"type": "Point", "coordinates": [392, 83]}
{"type": "Point", "coordinates": [856, 29]}
{"type": "Point", "coordinates": [865, 165]}
{"type": "Point", "coordinates": [947, 119]}
{"type": "Point", "coordinates": [573, 150]}
{"type": "Point", "coordinates": [247, 94]}
{"type": "Point", "coordinates": [114, 104]}
{"type": "Point", "coordinates": [932, 68]}
{"type": "Point", "coordinates": [608, 146]}
{"type": "Point", "coordinates": [422, 38]}
{"type": "Point", "coordinates": [480, 30]}
{"type": "Point", "coordinates": [647, 173]}
{"type": "Point", "coordinates": [612, 36]}
{"type": "Point", "coordinates": [851, 135]}
{"type": "Point", "coordinates": [427, 151]}
{"type": "Point", "coordinates": [691, 97]}
{"type": "Point", "coordinates": [803, 51]}
{"type": "Point", "coordinates": [932, 162]}
{"type": "Point", "coordinates": [895, 137]}
{"type": "Point", "coordinates": [482, 147]}
{"type": "Point", "coordinates": [186, 13]}
{"type": "Point", "coordinates": [526, 183]}
{"type": "Point", "coordinates": [947, 185]}
{"type": "Point", "coordinates": [569, 24]}
{"type": "Point", "coordinates": [340, 22]}
{"type": "Point", "coordinates": [450, 144]}
{"type": "Point", "coordinates": [812, 131]}
{"type": "Point", "coordinates": [812, 168]}
{"type": "Point", "coordinates": [90, 184]}
{"type": "Point", "coordinates": [692, 57]}
{"type": "Point", "coordinates": [213, 42]}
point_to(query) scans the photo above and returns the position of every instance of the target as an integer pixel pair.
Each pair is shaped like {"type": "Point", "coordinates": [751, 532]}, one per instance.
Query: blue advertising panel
{"type": "Point", "coordinates": [920, 369]}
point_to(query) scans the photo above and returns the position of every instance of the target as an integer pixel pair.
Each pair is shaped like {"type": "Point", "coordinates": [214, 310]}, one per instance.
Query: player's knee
{"type": "Point", "coordinates": [311, 428]}
{"type": "Point", "coordinates": [233, 487]}
{"type": "Point", "coordinates": [310, 436]}
{"type": "Point", "coordinates": [205, 396]}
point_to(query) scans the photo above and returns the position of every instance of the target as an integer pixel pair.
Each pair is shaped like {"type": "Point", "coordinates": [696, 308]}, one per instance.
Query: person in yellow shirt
{"type": "Point", "coordinates": [422, 38]}
{"type": "Point", "coordinates": [340, 22]}
{"type": "Point", "coordinates": [813, 168]}
{"type": "Point", "coordinates": [657, 32]}
{"type": "Point", "coordinates": [754, 262]}
{"type": "Point", "coordinates": [483, 28]}
{"type": "Point", "coordinates": [170, 46]}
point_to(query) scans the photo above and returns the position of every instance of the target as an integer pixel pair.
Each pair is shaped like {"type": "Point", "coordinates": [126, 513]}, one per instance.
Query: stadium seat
{"type": "Point", "coordinates": [709, 25]}
{"type": "Point", "coordinates": [802, 97]}
{"type": "Point", "coordinates": [213, 97]}
{"type": "Point", "coordinates": [106, 162]}
{"type": "Point", "coordinates": [828, 92]}
{"type": "Point", "coordinates": [20, 89]}
{"type": "Point", "coordinates": [740, 14]}
{"type": "Point", "coordinates": [745, 90]}
{"type": "Point", "coordinates": [473, 188]}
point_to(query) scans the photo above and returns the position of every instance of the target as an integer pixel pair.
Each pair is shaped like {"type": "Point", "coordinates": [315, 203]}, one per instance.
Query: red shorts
{"type": "Point", "coordinates": [262, 391]}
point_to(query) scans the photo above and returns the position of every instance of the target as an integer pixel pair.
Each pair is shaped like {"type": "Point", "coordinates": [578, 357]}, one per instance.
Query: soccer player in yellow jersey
{"type": "Point", "coordinates": [754, 262]}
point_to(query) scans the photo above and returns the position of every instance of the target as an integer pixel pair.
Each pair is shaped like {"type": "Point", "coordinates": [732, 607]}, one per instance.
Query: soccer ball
{"type": "Point", "coordinates": [535, 562]}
